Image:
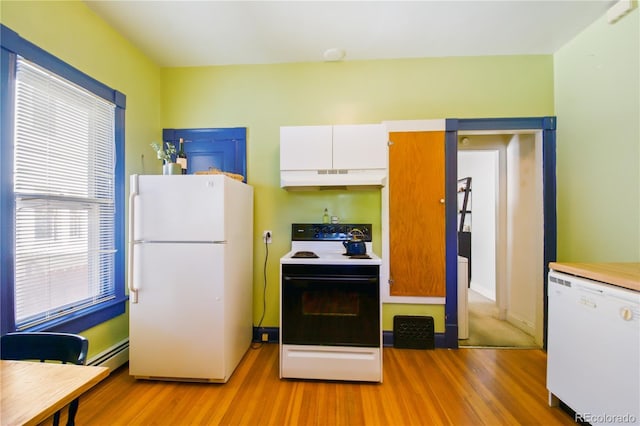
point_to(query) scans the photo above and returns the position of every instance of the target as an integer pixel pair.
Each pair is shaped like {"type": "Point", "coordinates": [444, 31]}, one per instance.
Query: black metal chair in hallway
{"type": "Point", "coordinates": [47, 346]}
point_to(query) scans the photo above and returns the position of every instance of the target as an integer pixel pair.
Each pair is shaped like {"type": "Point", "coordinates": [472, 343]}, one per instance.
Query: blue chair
{"type": "Point", "coordinates": [46, 346]}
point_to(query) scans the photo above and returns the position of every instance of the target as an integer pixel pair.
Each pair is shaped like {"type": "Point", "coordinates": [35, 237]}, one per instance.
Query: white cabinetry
{"type": "Point", "coordinates": [360, 147]}
{"type": "Point", "coordinates": [306, 148]}
{"type": "Point", "coordinates": [341, 155]}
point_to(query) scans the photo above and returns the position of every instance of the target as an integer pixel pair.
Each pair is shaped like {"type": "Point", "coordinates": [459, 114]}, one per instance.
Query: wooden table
{"type": "Point", "coordinates": [34, 391]}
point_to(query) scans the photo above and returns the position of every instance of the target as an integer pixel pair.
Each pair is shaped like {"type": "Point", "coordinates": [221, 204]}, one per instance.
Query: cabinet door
{"type": "Point", "coordinates": [305, 148]}
{"type": "Point", "coordinates": [417, 214]}
{"type": "Point", "coordinates": [360, 146]}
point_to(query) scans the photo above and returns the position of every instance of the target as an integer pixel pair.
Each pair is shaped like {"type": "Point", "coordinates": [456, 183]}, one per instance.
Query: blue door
{"type": "Point", "coordinates": [223, 149]}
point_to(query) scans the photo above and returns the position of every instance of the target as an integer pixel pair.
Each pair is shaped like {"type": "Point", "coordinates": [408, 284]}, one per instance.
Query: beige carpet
{"type": "Point", "coordinates": [486, 330]}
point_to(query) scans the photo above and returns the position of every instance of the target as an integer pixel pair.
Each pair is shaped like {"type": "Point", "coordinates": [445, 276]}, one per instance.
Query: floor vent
{"type": "Point", "coordinates": [413, 332]}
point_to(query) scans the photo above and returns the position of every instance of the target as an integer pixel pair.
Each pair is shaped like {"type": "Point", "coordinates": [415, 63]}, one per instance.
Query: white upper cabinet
{"type": "Point", "coordinates": [344, 147]}
{"type": "Point", "coordinates": [306, 148]}
{"type": "Point", "coordinates": [333, 156]}
{"type": "Point", "coordinates": [360, 146]}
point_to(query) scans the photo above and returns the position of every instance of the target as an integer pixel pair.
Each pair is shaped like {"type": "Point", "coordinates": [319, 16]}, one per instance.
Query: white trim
{"type": "Point", "coordinates": [483, 292]}
{"type": "Point", "coordinates": [385, 294]}
{"type": "Point", "coordinates": [498, 132]}
{"type": "Point", "coordinates": [522, 324]}
{"type": "Point", "coordinates": [415, 125]}
{"type": "Point", "coordinates": [416, 300]}
{"type": "Point", "coordinates": [620, 9]}
{"type": "Point", "coordinates": [305, 179]}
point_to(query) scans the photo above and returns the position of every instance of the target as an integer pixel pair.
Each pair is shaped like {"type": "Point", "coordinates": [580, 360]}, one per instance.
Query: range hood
{"type": "Point", "coordinates": [333, 179]}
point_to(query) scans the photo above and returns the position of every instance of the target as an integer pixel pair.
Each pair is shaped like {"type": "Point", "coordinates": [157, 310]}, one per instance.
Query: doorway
{"type": "Point", "coordinates": [505, 296]}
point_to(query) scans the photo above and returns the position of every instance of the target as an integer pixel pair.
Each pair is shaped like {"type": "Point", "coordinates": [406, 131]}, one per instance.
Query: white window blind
{"type": "Point", "coordinates": [64, 162]}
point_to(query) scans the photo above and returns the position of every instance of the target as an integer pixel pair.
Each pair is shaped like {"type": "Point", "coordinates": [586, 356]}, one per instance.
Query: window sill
{"type": "Point", "coordinates": [85, 319]}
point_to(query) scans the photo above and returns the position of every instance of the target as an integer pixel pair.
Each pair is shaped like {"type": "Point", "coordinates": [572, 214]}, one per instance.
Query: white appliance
{"type": "Point", "coordinates": [190, 276]}
{"type": "Point", "coordinates": [463, 297]}
{"type": "Point", "coordinates": [593, 349]}
{"type": "Point", "coordinates": [330, 308]}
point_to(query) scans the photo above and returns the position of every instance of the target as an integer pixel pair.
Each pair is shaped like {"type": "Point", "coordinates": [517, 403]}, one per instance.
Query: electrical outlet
{"type": "Point", "coordinates": [266, 237]}
{"type": "Point", "coordinates": [265, 337]}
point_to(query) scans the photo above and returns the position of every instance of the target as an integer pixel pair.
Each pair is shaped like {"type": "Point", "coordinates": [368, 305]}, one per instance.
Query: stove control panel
{"type": "Point", "coordinates": [328, 232]}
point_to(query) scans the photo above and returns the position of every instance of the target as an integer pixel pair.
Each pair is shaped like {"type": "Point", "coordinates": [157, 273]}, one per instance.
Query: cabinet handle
{"type": "Point", "coordinates": [441, 200]}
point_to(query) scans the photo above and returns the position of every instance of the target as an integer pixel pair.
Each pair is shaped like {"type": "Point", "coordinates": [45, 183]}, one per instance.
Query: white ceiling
{"type": "Point", "coordinates": [197, 33]}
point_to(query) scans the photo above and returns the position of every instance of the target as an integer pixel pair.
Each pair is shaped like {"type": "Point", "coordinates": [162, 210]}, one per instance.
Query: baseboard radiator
{"type": "Point", "coordinates": [112, 357]}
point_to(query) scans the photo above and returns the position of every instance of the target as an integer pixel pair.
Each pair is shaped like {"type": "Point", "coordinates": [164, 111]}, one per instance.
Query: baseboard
{"type": "Point", "coordinates": [521, 324]}
{"type": "Point", "coordinates": [273, 336]}
{"type": "Point", "coordinates": [112, 357]}
{"type": "Point", "coordinates": [266, 334]}
{"type": "Point", "coordinates": [439, 339]}
{"type": "Point", "coordinates": [483, 291]}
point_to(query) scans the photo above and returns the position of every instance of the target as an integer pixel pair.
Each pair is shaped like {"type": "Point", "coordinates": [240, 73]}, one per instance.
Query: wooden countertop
{"type": "Point", "coordinates": [625, 275]}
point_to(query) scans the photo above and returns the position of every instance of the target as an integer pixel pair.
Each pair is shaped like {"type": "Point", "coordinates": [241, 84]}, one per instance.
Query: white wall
{"type": "Point", "coordinates": [482, 167]}
{"type": "Point", "coordinates": [524, 230]}
{"type": "Point", "coordinates": [496, 143]}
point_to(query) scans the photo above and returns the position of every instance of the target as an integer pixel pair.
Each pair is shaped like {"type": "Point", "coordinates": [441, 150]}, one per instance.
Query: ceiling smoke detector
{"type": "Point", "coordinates": [334, 54]}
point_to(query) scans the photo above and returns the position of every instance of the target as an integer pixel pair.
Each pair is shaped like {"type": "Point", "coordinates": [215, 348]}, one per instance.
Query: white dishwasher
{"type": "Point", "coordinates": [593, 349]}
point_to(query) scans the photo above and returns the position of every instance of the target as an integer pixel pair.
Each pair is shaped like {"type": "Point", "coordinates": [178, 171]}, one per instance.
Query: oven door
{"type": "Point", "coordinates": [336, 305]}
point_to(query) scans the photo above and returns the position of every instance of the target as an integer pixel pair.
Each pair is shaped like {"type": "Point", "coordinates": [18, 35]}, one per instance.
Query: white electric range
{"type": "Point", "coordinates": [330, 306]}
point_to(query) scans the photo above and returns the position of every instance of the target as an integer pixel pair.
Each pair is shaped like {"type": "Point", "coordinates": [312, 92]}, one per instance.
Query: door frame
{"type": "Point", "coordinates": [545, 124]}
{"type": "Point", "coordinates": [429, 125]}
{"type": "Point", "coordinates": [237, 136]}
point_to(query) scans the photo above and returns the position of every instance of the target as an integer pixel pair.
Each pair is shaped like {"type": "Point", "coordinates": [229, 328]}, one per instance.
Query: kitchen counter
{"type": "Point", "coordinates": [626, 275]}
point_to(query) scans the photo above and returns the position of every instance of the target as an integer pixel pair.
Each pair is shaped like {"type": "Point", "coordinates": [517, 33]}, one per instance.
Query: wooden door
{"type": "Point", "coordinates": [417, 214]}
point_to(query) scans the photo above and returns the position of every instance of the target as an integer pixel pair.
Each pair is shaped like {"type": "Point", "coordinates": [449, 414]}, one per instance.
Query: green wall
{"type": "Point", "coordinates": [73, 33]}
{"type": "Point", "coordinates": [597, 101]}
{"type": "Point", "coordinates": [265, 97]}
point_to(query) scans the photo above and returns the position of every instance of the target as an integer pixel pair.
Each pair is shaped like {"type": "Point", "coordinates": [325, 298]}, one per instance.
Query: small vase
{"type": "Point", "coordinates": [171, 169]}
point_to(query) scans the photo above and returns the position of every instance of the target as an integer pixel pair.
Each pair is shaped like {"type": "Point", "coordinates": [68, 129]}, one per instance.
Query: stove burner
{"type": "Point", "coordinates": [304, 254]}
{"type": "Point", "coordinates": [357, 256]}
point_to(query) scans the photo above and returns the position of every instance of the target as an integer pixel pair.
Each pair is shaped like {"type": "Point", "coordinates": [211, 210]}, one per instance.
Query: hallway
{"type": "Point", "coordinates": [486, 330]}
{"type": "Point", "coordinates": [508, 235]}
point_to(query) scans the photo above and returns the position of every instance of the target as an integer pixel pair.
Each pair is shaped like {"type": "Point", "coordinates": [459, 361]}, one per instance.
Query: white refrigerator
{"type": "Point", "coordinates": [190, 276]}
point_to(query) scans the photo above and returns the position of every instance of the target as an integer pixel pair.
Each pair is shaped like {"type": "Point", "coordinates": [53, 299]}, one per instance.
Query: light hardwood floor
{"type": "Point", "coordinates": [421, 387]}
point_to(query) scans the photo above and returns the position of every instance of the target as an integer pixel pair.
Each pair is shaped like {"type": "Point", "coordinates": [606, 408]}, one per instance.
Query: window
{"type": "Point", "coordinates": [61, 194]}
{"type": "Point", "coordinates": [64, 197]}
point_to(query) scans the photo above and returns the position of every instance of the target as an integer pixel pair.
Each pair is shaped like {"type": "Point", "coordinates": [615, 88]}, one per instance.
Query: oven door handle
{"type": "Point", "coordinates": [370, 279]}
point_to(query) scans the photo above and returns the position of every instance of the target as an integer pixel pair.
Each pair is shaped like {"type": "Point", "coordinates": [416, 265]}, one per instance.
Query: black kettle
{"type": "Point", "coordinates": [355, 246]}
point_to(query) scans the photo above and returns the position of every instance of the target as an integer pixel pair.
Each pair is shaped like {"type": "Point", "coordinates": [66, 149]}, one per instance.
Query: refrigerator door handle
{"type": "Point", "coordinates": [133, 291]}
